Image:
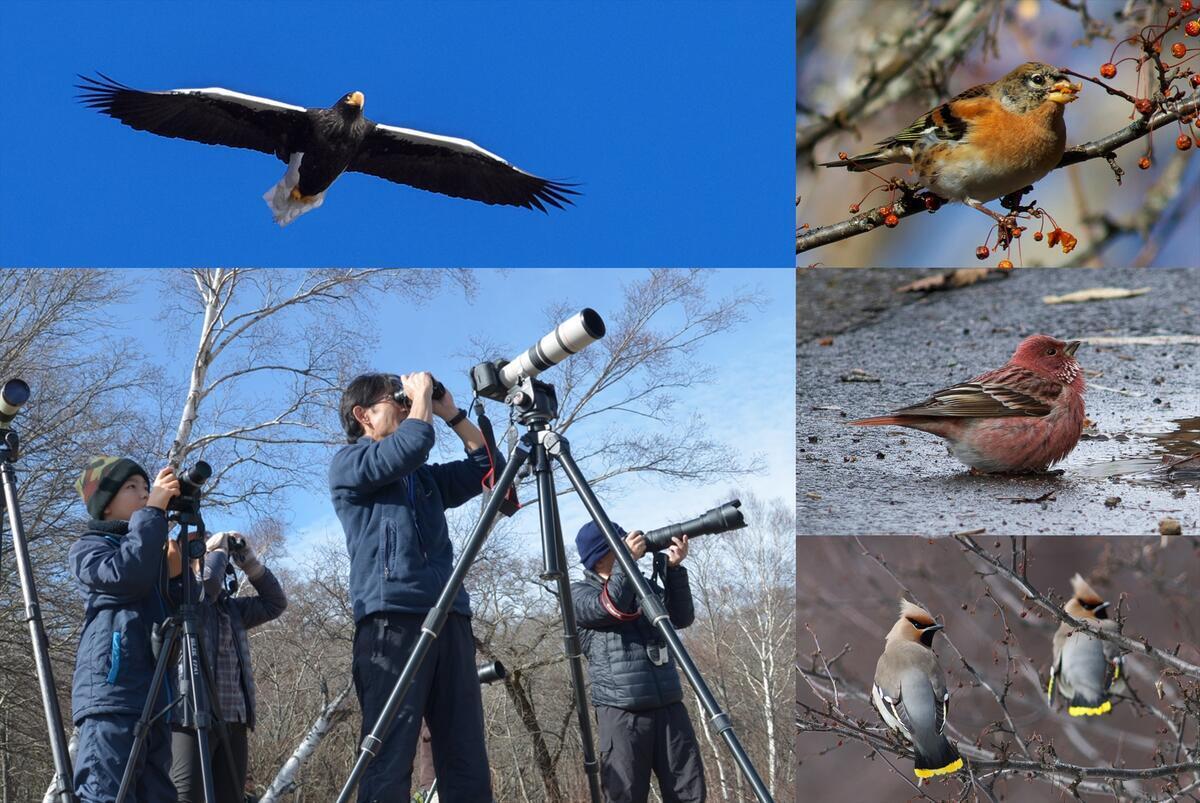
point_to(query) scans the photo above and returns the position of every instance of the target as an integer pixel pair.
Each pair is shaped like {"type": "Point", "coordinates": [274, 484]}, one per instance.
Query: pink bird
{"type": "Point", "coordinates": [1023, 417]}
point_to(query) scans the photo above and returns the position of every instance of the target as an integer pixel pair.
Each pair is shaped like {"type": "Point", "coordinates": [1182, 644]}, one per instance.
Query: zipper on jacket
{"type": "Point", "coordinates": [412, 506]}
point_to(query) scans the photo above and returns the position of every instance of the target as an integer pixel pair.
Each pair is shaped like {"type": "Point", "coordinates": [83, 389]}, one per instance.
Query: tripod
{"type": "Point", "coordinates": [535, 406]}
{"type": "Point", "coordinates": [193, 691]}
{"type": "Point", "coordinates": [10, 448]}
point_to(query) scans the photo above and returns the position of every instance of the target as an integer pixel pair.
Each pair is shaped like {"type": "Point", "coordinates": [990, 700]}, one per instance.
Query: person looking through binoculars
{"type": "Point", "coordinates": [391, 503]}
{"type": "Point", "coordinates": [642, 722]}
{"type": "Point", "coordinates": [224, 622]}
{"type": "Point", "coordinates": [119, 565]}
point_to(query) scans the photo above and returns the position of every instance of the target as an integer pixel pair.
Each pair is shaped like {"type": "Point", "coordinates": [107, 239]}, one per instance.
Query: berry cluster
{"type": "Point", "coordinates": [1150, 42]}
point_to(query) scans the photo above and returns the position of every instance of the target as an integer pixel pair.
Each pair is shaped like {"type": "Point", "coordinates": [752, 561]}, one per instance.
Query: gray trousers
{"type": "Point", "coordinates": [634, 743]}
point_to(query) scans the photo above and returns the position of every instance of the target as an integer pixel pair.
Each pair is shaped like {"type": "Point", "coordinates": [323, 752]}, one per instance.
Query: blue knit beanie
{"type": "Point", "coordinates": [591, 543]}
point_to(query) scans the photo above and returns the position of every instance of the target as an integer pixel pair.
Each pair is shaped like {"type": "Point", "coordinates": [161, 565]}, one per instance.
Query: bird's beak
{"type": "Point", "coordinates": [356, 99]}
{"type": "Point", "coordinates": [1100, 607]}
{"type": "Point", "coordinates": [934, 628]}
{"type": "Point", "coordinates": [1071, 348]}
{"type": "Point", "coordinates": [1064, 92]}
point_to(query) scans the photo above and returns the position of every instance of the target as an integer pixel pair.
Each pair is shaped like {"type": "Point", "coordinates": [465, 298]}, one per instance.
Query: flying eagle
{"type": "Point", "coordinates": [319, 145]}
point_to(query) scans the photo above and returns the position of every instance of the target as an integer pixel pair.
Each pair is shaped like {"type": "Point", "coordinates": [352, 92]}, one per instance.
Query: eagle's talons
{"type": "Point", "coordinates": [304, 199]}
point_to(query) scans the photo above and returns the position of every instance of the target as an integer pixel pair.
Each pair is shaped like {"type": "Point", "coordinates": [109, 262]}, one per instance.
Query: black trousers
{"type": "Point", "coordinates": [230, 787]}
{"type": "Point", "coordinates": [634, 743]}
{"type": "Point", "coordinates": [445, 692]}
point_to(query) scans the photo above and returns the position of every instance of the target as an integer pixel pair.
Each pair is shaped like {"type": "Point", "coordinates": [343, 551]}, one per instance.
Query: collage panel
{"type": "Point", "coordinates": [489, 482]}
{"type": "Point", "coordinates": [1053, 402]}
{"type": "Point", "coordinates": [1020, 133]}
{"type": "Point", "coordinates": [984, 669]}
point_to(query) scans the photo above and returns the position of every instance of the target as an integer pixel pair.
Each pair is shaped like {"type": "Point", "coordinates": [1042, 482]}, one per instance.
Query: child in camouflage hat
{"type": "Point", "coordinates": [121, 572]}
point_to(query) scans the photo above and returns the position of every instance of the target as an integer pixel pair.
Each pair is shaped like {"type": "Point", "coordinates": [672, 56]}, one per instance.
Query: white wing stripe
{"type": "Point", "coordinates": [435, 139]}
{"type": "Point", "coordinates": [246, 100]}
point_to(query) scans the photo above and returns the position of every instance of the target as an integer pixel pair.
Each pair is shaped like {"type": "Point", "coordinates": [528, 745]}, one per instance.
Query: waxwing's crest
{"type": "Point", "coordinates": [915, 613]}
{"type": "Point", "coordinates": [1084, 592]}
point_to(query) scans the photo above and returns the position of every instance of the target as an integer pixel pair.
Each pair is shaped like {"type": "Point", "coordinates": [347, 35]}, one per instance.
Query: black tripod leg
{"type": "Point", "coordinates": [193, 693]}
{"type": "Point", "coordinates": [142, 728]}
{"type": "Point", "coordinates": [654, 610]}
{"type": "Point", "coordinates": [219, 724]}
{"type": "Point", "coordinates": [555, 563]}
{"type": "Point", "coordinates": [434, 621]}
{"type": "Point", "coordinates": [63, 780]}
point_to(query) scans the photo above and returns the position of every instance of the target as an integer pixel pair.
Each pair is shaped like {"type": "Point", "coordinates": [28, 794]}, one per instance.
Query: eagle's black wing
{"type": "Point", "coordinates": [213, 116]}
{"type": "Point", "coordinates": [454, 167]}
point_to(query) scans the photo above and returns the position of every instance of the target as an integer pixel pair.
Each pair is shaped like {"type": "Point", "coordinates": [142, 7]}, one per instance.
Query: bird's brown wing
{"type": "Point", "coordinates": [213, 116]}
{"type": "Point", "coordinates": [455, 167]}
{"type": "Point", "coordinates": [1007, 392]}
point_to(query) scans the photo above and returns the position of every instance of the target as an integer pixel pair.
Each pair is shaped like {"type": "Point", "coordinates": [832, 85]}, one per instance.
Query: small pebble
{"type": "Point", "coordinates": [1112, 501]}
{"type": "Point", "coordinates": [1170, 526]}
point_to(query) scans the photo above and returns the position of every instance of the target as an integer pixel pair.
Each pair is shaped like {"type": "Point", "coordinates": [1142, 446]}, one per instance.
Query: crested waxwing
{"type": "Point", "coordinates": [1085, 670]}
{"type": "Point", "coordinates": [910, 691]}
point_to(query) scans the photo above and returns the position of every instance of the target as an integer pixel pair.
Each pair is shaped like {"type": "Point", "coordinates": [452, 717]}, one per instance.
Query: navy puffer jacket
{"type": "Point", "coordinates": [621, 671]}
{"type": "Point", "coordinates": [392, 508]}
{"type": "Point", "coordinates": [121, 577]}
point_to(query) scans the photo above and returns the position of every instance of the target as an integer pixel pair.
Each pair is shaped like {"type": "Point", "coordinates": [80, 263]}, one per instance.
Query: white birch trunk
{"type": "Point", "coordinates": [209, 287]}
{"type": "Point", "coordinates": [715, 748]}
{"type": "Point", "coordinates": [285, 779]}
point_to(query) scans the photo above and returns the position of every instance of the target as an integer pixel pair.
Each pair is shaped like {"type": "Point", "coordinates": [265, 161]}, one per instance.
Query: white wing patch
{"type": "Point", "coordinates": [253, 101]}
{"type": "Point", "coordinates": [453, 143]}
{"type": "Point", "coordinates": [887, 709]}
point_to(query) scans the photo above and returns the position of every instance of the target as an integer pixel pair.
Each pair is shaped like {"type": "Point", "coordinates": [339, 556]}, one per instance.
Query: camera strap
{"type": "Point", "coordinates": [510, 504]}
{"type": "Point", "coordinates": [611, 608]}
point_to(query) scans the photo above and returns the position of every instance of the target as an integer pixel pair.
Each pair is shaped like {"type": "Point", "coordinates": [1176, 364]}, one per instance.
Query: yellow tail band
{"type": "Point", "coordinates": [1085, 711]}
{"type": "Point", "coordinates": [953, 766]}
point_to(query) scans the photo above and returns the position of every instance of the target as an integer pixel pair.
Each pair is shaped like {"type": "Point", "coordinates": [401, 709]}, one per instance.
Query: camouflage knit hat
{"type": "Point", "coordinates": [101, 480]}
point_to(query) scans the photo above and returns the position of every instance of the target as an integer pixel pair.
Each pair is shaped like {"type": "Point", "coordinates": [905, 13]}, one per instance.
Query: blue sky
{"type": "Point", "coordinates": [747, 398]}
{"type": "Point", "coordinates": [676, 118]}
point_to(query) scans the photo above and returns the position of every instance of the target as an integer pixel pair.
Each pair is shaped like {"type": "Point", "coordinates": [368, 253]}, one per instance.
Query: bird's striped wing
{"type": "Point", "coordinates": [213, 116]}
{"type": "Point", "coordinates": [455, 167]}
{"type": "Point", "coordinates": [938, 123]}
{"type": "Point", "coordinates": [985, 397]}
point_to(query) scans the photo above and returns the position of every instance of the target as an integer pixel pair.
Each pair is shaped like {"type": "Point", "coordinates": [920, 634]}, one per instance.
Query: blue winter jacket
{"type": "Point", "coordinates": [392, 508]}
{"type": "Point", "coordinates": [121, 578]}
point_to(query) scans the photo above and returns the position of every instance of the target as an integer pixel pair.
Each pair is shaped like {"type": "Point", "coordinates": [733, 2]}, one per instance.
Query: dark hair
{"type": "Point", "coordinates": [362, 391]}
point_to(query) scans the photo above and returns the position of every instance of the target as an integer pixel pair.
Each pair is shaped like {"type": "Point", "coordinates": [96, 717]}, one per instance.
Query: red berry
{"type": "Point", "coordinates": [1144, 163]}
{"type": "Point", "coordinates": [1192, 28]}
{"type": "Point", "coordinates": [1004, 265]}
{"type": "Point", "coordinates": [1108, 70]}
{"type": "Point", "coordinates": [843, 155]}
{"type": "Point", "coordinates": [854, 209]}
{"type": "Point", "coordinates": [932, 203]}
{"type": "Point", "coordinates": [1179, 50]}
{"type": "Point", "coordinates": [1185, 6]}
{"type": "Point", "coordinates": [891, 221]}
{"type": "Point", "coordinates": [885, 210]}
{"type": "Point", "coordinates": [982, 252]}
{"type": "Point", "coordinates": [1143, 105]}
{"type": "Point", "coordinates": [1184, 142]}
{"type": "Point", "coordinates": [1172, 13]}
{"type": "Point", "coordinates": [1037, 235]}
{"type": "Point", "coordinates": [1195, 79]}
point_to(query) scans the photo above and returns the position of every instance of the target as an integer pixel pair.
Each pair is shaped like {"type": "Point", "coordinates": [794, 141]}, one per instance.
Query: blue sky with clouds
{"type": "Point", "coordinates": [675, 117]}
{"type": "Point", "coordinates": [746, 399]}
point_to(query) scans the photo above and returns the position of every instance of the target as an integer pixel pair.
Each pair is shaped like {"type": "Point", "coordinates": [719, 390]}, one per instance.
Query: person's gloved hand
{"type": "Point", "coordinates": [218, 541]}
{"type": "Point", "coordinates": [247, 561]}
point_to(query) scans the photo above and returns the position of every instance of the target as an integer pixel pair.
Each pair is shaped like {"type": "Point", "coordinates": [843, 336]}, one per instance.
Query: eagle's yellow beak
{"type": "Point", "coordinates": [356, 99]}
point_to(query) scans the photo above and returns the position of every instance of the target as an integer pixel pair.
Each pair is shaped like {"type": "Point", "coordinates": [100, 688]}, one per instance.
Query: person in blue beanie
{"type": "Point", "coordinates": [642, 722]}
{"type": "Point", "coordinates": [392, 505]}
{"type": "Point", "coordinates": [121, 569]}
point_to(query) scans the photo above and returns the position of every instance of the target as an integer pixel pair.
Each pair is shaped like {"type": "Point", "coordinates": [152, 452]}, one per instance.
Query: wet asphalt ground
{"type": "Point", "coordinates": [1143, 400]}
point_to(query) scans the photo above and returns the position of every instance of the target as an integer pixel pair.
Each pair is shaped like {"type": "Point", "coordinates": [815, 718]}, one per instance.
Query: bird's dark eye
{"type": "Point", "coordinates": [1038, 78]}
{"type": "Point", "coordinates": [1051, 352]}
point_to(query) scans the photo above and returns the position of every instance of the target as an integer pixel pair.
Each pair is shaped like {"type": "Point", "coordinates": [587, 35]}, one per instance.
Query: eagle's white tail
{"type": "Point", "coordinates": [279, 197]}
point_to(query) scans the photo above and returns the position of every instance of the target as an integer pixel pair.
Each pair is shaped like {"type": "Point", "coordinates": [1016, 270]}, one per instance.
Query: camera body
{"type": "Point", "coordinates": [190, 483]}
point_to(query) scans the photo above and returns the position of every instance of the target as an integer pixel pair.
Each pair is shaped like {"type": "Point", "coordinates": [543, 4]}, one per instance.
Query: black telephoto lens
{"type": "Point", "coordinates": [189, 487]}
{"type": "Point", "coordinates": [490, 673]}
{"type": "Point", "coordinates": [718, 520]}
{"type": "Point", "coordinates": [14, 394]}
